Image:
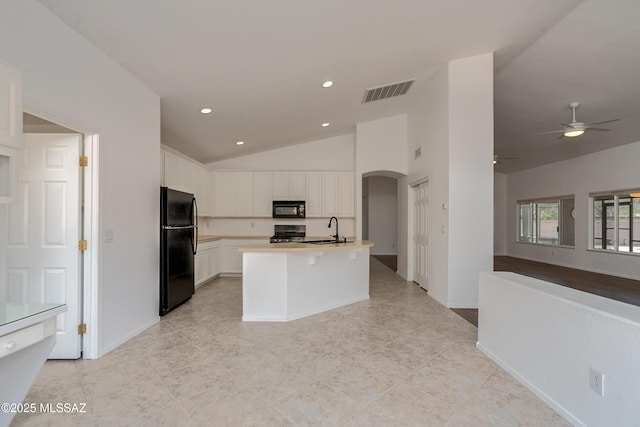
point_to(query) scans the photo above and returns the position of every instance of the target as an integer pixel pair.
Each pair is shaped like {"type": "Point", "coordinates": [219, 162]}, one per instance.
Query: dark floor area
{"type": "Point", "coordinates": [390, 261]}
{"type": "Point", "coordinates": [613, 287]}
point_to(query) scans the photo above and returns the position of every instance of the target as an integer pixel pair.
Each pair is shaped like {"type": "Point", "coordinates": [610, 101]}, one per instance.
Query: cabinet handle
{"type": "Point", "coordinates": [10, 345]}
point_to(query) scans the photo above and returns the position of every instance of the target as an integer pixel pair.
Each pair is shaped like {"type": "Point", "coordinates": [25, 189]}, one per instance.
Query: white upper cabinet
{"type": "Point", "coordinates": [177, 174]}
{"type": "Point", "coordinates": [313, 196]}
{"type": "Point", "coordinates": [281, 185]}
{"type": "Point", "coordinates": [262, 194]}
{"type": "Point", "coordinates": [226, 194]}
{"type": "Point", "coordinates": [330, 193]}
{"type": "Point", "coordinates": [245, 193]}
{"type": "Point", "coordinates": [346, 194]}
{"type": "Point", "coordinates": [181, 174]}
{"type": "Point", "coordinates": [298, 185]}
{"type": "Point", "coordinates": [10, 131]}
{"type": "Point", "coordinates": [233, 194]}
{"type": "Point", "coordinates": [289, 185]}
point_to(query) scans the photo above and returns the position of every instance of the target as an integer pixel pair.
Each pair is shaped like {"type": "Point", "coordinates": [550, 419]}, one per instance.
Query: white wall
{"type": "Point", "coordinates": [383, 214]}
{"type": "Point", "coordinates": [337, 153]}
{"type": "Point", "coordinates": [381, 147]}
{"type": "Point", "coordinates": [428, 129]}
{"type": "Point", "coordinates": [613, 169]}
{"type": "Point", "coordinates": [453, 126]}
{"type": "Point", "coordinates": [499, 214]}
{"type": "Point", "coordinates": [470, 176]}
{"type": "Point", "coordinates": [549, 337]}
{"type": "Point", "coordinates": [71, 82]}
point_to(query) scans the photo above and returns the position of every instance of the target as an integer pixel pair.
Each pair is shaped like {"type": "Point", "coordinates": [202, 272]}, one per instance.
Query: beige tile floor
{"type": "Point", "coordinates": [399, 359]}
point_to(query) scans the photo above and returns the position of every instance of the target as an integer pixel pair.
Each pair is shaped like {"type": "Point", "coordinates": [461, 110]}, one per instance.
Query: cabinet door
{"type": "Point", "coordinates": [262, 197]}
{"type": "Point", "coordinates": [281, 186]}
{"type": "Point", "coordinates": [346, 187]}
{"type": "Point", "coordinates": [245, 194]}
{"type": "Point", "coordinates": [10, 107]}
{"type": "Point", "coordinates": [203, 191]}
{"type": "Point", "coordinates": [298, 185]}
{"type": "Point", "coordinates": [175, 172]}
{"type": "Point", "coordinates": [330, 193]}
{"type": "Point", "coordinates": [313, 194]}
{"type": "Point", "coordinates": [231, 257]}
{"type": "Point", "coordinates": [200, 265]}
{"type": "Point", "coordinates": [214, 268]}
{"type": "Point", "coordinates": [226, 194]}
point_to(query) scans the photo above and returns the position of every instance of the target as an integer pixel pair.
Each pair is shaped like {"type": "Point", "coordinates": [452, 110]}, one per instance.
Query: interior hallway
{"type": "Point", "coordinates": [400, 358]}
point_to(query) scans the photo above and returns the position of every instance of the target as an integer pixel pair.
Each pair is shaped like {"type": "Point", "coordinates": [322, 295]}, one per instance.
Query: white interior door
{"type": "Point", "coordinates": [420, 241]}
{"type": "Point", "coordinates": [44, 228]}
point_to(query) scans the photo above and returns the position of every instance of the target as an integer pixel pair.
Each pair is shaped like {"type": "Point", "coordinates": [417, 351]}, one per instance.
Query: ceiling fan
{"type": "Point", "coordinates": [576, 128]}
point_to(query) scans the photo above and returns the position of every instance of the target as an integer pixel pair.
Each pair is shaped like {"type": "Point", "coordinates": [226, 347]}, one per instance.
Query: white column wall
{"type": "Point", "coordinates": [453, 126]}
{"type": "Point", "coordinates": [499, 214]}
{"type": "Point", "coordinates": [428, 129]}
{"type": "Point", "coordinates": [470, 176]}
{"type": "Point", "coordinates": [71, 82]}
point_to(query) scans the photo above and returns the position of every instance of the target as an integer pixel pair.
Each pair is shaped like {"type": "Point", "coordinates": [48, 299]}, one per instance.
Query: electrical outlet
{"type": "Point", "coordinates": [596, 381]}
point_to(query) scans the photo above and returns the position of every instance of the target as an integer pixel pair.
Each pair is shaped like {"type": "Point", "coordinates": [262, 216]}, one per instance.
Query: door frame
{"type": "Point", "coordinates": [91, 231]}
{"type": "Point", "coordinates": [89, 224]}
{"type": "Point", "coordinates": [411, 220]}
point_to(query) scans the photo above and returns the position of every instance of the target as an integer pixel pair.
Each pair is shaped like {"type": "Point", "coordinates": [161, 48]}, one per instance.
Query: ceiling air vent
{"type": "Point", "coordinates": [384, 92]}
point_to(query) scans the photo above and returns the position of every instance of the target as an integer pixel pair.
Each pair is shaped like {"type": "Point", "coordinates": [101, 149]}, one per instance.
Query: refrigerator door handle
{"type": "Point", "coordinates": [194, 243]}
{"type": "Point", "coordinates": [176, 227]}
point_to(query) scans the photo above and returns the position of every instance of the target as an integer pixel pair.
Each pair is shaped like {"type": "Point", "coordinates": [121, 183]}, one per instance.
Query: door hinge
{"type": "Point", "coordinates": [82, 245]}
{"type": "Point", "coordinates": [82, 328]}
{"type": "Point", "coordinates": [84, 161]}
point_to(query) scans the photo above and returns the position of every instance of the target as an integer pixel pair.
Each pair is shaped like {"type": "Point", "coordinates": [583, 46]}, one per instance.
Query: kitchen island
{"type": "Point", "coordinates": [288, 281]}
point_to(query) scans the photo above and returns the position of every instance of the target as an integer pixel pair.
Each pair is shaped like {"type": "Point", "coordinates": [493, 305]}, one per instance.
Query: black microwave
{"type": "Point", "coordinates": [288, 209]}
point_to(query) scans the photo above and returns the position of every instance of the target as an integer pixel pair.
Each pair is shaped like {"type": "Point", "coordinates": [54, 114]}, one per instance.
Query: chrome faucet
{"type": "Point", "coordinates": [337, 235]}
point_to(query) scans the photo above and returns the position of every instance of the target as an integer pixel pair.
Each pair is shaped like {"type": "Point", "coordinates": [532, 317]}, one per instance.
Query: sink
{"type": "Point", "coordinates": [326, 242]}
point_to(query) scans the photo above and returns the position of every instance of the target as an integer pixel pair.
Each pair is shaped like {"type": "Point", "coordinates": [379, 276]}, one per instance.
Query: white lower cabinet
{"type": "Point", "coordinates": [231, 256]}
{"type": "Point", "coordinates": [206, 262]}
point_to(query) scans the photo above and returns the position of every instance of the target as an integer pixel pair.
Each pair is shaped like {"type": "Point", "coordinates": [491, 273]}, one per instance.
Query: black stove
{"type": "Point", "coordinates": [288, 233]}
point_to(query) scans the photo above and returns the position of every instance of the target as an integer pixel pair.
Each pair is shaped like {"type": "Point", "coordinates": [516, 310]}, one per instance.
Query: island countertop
{"type": "Point", "coordinates": [307, 247]}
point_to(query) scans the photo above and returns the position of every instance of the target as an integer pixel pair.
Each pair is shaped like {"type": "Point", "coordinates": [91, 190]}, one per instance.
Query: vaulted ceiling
{"type": "Point", "coordinates": [260, 66]}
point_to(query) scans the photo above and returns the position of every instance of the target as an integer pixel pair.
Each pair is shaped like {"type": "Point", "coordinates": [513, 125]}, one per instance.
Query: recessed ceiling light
{"type": "Point", "coordinates": [324, 125]}
{"type": "Point", "coordinates": [328, 83]}
{"type": "Point", "coordinates": [206, 110]}
{"type": "Point", "coordinates": [239, 142]}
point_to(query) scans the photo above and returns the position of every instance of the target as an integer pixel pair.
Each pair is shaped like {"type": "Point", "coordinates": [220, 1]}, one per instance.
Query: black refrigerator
{"type": "Point", "coordinates": [178, 245]}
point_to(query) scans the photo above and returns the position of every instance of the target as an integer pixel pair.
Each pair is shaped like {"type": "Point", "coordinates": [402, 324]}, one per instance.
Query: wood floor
{"type": "Point", "coordinates": [613, 287]}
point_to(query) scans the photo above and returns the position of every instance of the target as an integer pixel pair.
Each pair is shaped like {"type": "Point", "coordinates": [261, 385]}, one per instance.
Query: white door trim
{"type": "Point", "coordinates": [91, 226]}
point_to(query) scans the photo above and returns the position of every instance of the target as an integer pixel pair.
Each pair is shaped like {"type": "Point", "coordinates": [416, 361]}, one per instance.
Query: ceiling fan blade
{"type": "Point", "coordinates": [551, 131]}
{"type": "Point", "coordinates": [561, 136]}
{"type": "Point", "coordinates": [600, 129]}
{"type": "Point", "coordinates": [603, 122]}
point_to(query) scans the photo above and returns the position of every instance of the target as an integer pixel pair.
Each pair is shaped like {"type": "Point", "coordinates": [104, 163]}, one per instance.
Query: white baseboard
{"type": "Point", "coordinates": [127, 337]}
{"type": "Point", "coordinates": [535, 390]}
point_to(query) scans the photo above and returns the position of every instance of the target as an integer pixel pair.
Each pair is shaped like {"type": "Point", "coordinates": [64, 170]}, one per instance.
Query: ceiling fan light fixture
{"type": "Point", "coordinates": [573, 132]}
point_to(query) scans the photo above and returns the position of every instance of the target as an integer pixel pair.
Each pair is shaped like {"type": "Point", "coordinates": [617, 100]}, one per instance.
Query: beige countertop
{"type": "Point", "coordinates": [307, 247]}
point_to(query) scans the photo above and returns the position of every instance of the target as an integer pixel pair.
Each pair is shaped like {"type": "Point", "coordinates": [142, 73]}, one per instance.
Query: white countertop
{"type": "Point", "coordinates": [17, 316]}
{"type": "Point", "coordinates": [307, 247]}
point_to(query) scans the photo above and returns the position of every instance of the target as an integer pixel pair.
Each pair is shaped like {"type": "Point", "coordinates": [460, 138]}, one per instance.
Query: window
{"type": "Point", "coordinates": [547, 221]}
{"type": "Point", "coordinates": [616, 221]}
